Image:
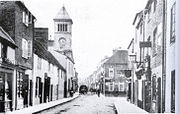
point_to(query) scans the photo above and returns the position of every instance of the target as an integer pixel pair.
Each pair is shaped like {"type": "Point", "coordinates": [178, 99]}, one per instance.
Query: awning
{"type": "Point", "coordinates": [6, 38]}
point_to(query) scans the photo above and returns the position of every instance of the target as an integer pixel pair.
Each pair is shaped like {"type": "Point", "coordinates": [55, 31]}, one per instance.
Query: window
{"type": "Point", "coordinates": [111, 87]}
{"type": "Point", "coordinates": [62, 28]}
{"type": "Point", "coordinates": [155, 3]}
{"type": "Point", "coordinates": [154, 42]}
{"type": "Point", "coordinates": [141, 27]}
{"type": "Point", "coordinates": [49, 67]}
{"type": "Point", "coordinates": [0, 49]}
{"type": "Point", "coordinates": [29, 48]}
{"type": "Point", "coordinates": [65, 27]}
{"type": "Point", "coordinates": [173, 91]}
{"type": "Point", "coordinates": [173, 21]}
{"type": "Point", "coordinates": [26, 18]}
{"type": "Point", "coordinates": [154, 87]}
{"type": "Point", "coordinates": [111, 72]}
{"type": "Point", "coordinates": [39, 63]}
{"type": "Point", "coordinates": [24, 48]}
{"type": "Point", "coordinates": [3, 51]}
{"type": "Point", "coordinates": [19, 84]}
{"type": "Point", "coordinates": [121, 86]}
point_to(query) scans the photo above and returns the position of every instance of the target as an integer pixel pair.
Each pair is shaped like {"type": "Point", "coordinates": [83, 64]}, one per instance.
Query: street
{"type": "Point", "coordinates": [85, 104]}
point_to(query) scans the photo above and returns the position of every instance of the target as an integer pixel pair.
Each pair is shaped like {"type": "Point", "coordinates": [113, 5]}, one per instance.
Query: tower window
{"type": "Point", "coordinates": [62, 28]}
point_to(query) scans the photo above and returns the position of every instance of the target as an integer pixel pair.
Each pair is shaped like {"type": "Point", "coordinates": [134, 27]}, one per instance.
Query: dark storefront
{"type": "Point", "coordinates": [6, 81]}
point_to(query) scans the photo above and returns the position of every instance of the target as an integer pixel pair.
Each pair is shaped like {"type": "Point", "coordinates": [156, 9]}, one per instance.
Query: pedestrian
{"type": "Point", "coordinates": [98, 90]}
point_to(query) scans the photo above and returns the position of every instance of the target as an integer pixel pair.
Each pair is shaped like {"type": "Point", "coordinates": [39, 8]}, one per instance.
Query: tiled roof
{"type": "Point", "coordinates": [40, 50]}
{"type": "Point", "coordinates": [119, 57]}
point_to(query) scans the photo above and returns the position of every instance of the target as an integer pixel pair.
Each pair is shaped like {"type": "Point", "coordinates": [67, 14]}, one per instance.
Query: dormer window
{"type": "Point", "coordinates": [62, 28]}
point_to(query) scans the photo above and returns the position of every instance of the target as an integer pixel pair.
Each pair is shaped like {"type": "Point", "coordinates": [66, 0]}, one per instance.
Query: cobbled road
{"type": "Point", "coordinates": [84, 104]}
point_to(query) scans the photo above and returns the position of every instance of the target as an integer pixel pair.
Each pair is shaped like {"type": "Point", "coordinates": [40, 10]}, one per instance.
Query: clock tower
{"type": "Point", "coordinates": [63, 33]}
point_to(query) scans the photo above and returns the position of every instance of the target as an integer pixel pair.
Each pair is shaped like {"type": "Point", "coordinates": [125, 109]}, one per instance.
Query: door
{"type": "Point", "coordinates": [2, 91]}
{"type": "Point", "coordinates": [159, 95]}
{"type": "Point", "coordinates": [30, 94]}
{"type": "Point", "coordinates": [25, 89]}
{"type": "Point", "coordinates": [173, 91]}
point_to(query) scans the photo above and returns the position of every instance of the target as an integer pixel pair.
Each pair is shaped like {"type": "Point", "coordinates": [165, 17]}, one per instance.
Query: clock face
{"type": "Point", "coordinates": [62, 42]}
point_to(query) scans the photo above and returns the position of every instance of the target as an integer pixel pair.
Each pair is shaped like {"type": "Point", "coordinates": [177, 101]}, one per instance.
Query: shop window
{"type": "Point", "coordinates": [19, 84]}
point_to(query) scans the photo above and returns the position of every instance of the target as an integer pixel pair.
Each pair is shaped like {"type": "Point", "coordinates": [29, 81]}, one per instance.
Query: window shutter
{"type": "Point", "coordinates": [29, 48]}
{"type": "Point", "coordinates": [23, 19]}
{"type": "Point", "coordinates": [27, 20]}
{"type": "Point", "coordinates": [23, 48]}
{"type": "Point", "coordinates": [26, 49]}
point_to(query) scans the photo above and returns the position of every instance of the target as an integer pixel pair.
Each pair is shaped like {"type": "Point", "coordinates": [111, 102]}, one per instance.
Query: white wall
{"type": "Point", "coordinates": [170, 58]}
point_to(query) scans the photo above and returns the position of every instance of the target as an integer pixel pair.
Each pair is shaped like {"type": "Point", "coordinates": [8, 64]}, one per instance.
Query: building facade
{"type": "Point", "coordinates": [170, 56]}
{"type": "Point", "coordinates": [115, 76]}
{"type": "Point", "coordinates": [152, 56]}
{"type": "Point", "coordinates": [20, 27]}
{"type": "Point", "coordinates": [7, 72]}
{"type": "Point", "coordinates": [48, 74]}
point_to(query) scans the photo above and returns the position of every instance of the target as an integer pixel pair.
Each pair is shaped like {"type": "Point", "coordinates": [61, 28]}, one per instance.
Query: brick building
{"type": "Point", "coordinates": [21, 28]}
{"type": "Point", "coordinates": [115, 76]}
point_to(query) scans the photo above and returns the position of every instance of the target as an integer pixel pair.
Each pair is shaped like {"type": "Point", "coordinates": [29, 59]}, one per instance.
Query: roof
{"type": "Point", "coordinates": [63, 15]}
{"type": "Point", "coordinates": [5, 37]}
{"type": "Point", "coordinates": [120, 57]}
{"type": "Point", "coordinates": [22, 4]}
{"type": "Point", "coordinates": [68, 54]}
{"type": "Point", "coordinates": [130, 43]}
{"type": "Point", "coordinates": [137, 14]}
{"type": "Point", "coordinates": [41, 51]}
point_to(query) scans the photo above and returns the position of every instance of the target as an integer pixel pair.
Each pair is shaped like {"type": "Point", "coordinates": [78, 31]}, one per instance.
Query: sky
{"type": "Point", "coordinates": [99, 26]}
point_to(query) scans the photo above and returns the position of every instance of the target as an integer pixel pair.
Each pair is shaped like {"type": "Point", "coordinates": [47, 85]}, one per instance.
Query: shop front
{"type": "Point", "coordinates": [6, 89]}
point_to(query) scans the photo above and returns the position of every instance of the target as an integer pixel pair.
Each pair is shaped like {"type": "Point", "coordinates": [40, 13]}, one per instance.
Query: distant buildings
{"type": "Point", "coordinates": [111, 74]}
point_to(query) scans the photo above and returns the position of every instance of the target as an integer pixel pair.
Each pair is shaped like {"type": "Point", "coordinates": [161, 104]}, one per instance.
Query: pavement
{"type": "Point", "coordinates": [43, 106]}
{"type": "Point", "coordinates": [124, 107]}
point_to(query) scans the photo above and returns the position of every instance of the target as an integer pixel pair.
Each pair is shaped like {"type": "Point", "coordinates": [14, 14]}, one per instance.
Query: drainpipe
{"type": "Point", "coordinates": [163, 56]}
{"type": "Point", "coordinates": [177, 59]}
